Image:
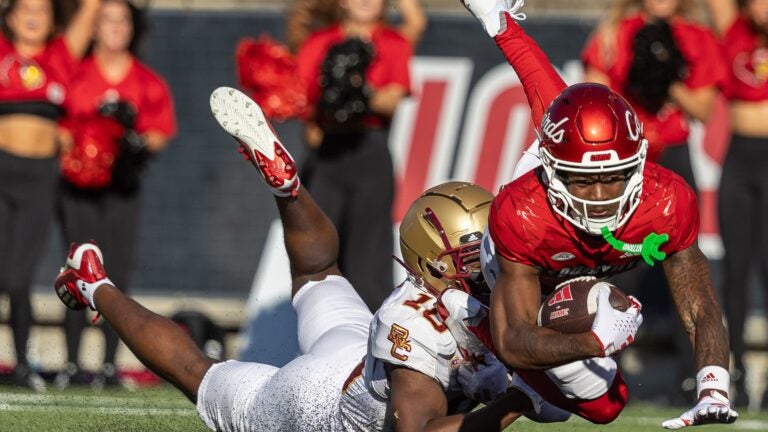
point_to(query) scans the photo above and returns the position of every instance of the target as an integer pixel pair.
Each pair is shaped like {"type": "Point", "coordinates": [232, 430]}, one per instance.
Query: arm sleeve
{"type": "Point", "coordinates": [157, 114]}
{"type": "Point", "coordinates": [541, 82]}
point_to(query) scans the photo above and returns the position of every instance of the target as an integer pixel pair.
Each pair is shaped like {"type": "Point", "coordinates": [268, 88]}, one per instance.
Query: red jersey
{"type": "Point", "coordinates": [391, 57]}
{"type": "Point", "coordinates": [41, 78]}
{"type": "Point", "coordinates": [700, 49]}
{"type": "Point", "coordinates": [526, 230]}
{"type": "Point", "coordinates": [748, 78]}
{"type": "Point", "coordinates": [90, 162]}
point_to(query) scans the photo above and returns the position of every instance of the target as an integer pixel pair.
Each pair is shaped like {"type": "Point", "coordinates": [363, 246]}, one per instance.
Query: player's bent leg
{"type": "Point", "coordinates": [310, 237]}
{"type": "Point", "coordinates": [587, 379]}
{"type": "Point", "coordinates": [331, 316]}
{"type": "Point", "coordinates": [592, 389]}
{"type": "Point", "coordinates": [158, 342]}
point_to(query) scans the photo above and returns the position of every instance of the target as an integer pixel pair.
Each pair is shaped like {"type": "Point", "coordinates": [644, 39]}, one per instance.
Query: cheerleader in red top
{"type": "Point", "coordinates": [119, 113]}
{"type": "Point", "coordinates": [349, 169]}
{"type": "Point", "coordinates": [35, 67]}
{"type": "Point", "coordinates": [743, 27]}
{"type": "Point", "coordinates": [665, 64]}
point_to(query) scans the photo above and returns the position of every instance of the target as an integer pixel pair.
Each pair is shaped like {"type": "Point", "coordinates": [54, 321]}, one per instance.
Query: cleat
{"type": "Point", "coordinates": [82, 274]}
{"type": "Point", "coordinates": [491, 13]}
{"type": "Point", "coordinates": [245, 122]}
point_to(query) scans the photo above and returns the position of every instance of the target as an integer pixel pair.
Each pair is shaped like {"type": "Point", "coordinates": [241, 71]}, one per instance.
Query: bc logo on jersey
{"type": "Point", "coordinates": [399, 337]}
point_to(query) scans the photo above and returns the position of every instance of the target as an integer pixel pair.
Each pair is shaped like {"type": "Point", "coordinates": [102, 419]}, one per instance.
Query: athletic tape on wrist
{"type": "Point", "coordinates": [713, 378]}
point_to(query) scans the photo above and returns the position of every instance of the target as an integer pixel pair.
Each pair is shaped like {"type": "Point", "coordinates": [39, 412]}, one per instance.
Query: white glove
{"type": "Point", "coordinates": [489, 12]}
{"type": "Point", "coordinates": [614, 329]}
{"type": "Point", "coordinates": [466, 318]}
{"type": "Point", "coordinates": [484, 380]}
{"type": "Point", "coordinates": [711, 409]}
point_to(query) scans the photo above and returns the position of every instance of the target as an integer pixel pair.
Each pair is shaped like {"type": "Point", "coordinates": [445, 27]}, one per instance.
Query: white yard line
{"type": "Point", "coordinates": [95, 403]}
{"type": "Point", "coordinates": [100, 410]}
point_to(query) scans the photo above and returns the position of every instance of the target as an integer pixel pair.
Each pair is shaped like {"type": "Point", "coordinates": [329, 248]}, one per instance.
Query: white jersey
{"type": "Point", "coordinates": [406, 331]}
{"type": "Point", "coordinates": [339, 383]}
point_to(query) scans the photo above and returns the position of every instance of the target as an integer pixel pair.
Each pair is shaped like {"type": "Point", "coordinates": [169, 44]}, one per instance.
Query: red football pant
{"type": "Point", "coordinates": [602, 410]}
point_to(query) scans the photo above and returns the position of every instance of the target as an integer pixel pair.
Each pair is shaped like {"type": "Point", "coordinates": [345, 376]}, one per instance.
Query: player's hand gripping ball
{"type": "Point", "coordinates": [572, 306]}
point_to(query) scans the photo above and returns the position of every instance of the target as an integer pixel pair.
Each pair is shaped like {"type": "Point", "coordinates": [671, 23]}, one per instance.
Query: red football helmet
{"type": "Point", "coordinates": [589, 129]}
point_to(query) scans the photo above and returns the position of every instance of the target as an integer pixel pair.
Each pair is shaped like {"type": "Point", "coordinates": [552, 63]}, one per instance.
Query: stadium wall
{"type": "Point", "coordinates": [206, 217]}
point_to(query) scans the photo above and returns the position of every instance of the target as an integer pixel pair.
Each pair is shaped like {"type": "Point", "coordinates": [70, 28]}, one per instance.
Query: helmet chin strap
{"type": "Point", "coordinates": [648, 249]}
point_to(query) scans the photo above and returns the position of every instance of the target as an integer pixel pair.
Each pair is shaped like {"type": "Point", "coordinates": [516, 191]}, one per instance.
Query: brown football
{"type": "Point", "coordinates": [571, 307]}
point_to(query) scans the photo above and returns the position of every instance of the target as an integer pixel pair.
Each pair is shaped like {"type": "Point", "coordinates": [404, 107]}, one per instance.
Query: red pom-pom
{"type": "Point", "coordinates": [88, 164]}
{"type": "Point", "coordinates": [267, 70]}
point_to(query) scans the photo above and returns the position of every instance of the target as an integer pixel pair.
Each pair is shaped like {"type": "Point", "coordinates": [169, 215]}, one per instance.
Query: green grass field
{"type": "Point", "coordinates": [165, 409]}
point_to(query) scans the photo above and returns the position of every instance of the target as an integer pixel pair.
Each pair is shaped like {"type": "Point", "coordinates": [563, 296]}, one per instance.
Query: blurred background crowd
{"type": "Point", "coordinates": [379, 100]}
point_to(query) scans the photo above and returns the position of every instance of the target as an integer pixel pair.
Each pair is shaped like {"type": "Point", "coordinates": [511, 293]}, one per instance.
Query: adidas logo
{"type": "Point", "coordinates": [710, 377]}
{"type": "Point", "coordinates": [471, 237]}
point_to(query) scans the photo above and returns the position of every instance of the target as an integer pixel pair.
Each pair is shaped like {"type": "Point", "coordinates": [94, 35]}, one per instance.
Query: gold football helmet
{"type": "Point", "coordinates": [440, 236]}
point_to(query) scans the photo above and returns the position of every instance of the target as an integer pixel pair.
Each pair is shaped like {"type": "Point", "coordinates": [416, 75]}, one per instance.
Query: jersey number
{"type": "Point", "coordinates": [429, 314]}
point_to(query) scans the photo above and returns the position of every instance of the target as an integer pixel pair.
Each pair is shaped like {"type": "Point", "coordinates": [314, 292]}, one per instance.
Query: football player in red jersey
{"type": "Point", "coordinates": [594, 208]}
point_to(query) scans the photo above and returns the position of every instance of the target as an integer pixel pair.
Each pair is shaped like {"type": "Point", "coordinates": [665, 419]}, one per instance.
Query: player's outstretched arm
{"type": "Point", "coordinates": [690, 284]}
{"type": "Point", "coordinates": [519, 341]}
{"type": "Point", "coordinates": [429, 413]}
{"type": "Point", "coordinates": [540, 80]}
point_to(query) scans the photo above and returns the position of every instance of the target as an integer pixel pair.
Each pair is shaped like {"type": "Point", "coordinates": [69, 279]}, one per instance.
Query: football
{"type": "Point", "coordinates": [572, 306]}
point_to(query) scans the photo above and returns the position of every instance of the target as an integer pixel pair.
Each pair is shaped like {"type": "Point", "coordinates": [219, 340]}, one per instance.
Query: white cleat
{"type": "Point", "coordinates": [242, 118]}
{"type": "Point", "coordinates": [490, 13]}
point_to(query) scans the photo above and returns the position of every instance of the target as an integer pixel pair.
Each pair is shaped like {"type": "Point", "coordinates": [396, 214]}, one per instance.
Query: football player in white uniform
{"type": "Point", "coordinates": [412, 375]}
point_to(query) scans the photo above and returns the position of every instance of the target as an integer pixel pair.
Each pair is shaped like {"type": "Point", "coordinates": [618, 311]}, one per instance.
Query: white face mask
{"type": "Point", "coordinates": [575, 209]}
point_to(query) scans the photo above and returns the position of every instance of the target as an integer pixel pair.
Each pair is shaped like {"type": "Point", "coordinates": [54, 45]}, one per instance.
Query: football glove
{"type": "Point", "coordinates": [483, 378]}
{"type": "Point", "coordinates": [711, 409]}
{"type": "Point", "coordinates": [614, 329]}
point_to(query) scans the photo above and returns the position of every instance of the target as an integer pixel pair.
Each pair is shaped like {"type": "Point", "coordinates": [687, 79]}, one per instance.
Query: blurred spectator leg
{"type": "Point", "coordinates": [27, 187]}
{"type": "Point", "coordinates": [366, 244]}
{"type": "Point", "coordinates": [736, 211]}
{"type": "Point", "coordinates": [351, 178]}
